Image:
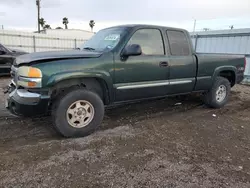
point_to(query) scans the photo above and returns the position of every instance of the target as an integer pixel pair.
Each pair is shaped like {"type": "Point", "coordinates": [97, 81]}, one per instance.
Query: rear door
{"type": "Point", "coordinates": [182, 63]}
{"type": "Point", "coordinates": [145, 75]}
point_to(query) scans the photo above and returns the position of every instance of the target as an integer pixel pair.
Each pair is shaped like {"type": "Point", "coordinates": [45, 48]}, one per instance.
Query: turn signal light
{"type": "Point", "coordinates": [34, 73]}
{"type": "Point", "coordinates": [32, 84]}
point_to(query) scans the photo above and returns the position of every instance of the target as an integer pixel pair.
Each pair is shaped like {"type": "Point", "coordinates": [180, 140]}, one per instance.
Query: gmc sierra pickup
{"type": "Point", "coordinates": [118, 64]}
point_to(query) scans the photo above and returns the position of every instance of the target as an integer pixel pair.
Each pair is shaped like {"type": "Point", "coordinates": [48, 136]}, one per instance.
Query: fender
{"type": "Point", "coordinates": [224, 68]}
{"type": "Point", "coordinates": [63, 76]}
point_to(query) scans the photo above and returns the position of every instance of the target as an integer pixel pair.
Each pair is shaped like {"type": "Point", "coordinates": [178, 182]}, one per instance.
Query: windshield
{"type": "Point", "coordinates": [105, 39]}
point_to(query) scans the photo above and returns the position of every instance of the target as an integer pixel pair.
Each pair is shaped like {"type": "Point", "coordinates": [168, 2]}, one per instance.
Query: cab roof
{"type": "Point", "coordinates": [146, 26]}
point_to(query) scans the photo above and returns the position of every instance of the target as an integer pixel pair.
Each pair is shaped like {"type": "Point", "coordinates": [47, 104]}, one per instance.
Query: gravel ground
{"type": "Point", "coordinates": [148, 144]}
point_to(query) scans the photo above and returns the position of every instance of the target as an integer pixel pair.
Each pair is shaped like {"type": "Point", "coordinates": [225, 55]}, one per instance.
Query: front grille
{"type": "Point", "coordinates": [14, 62]}
{"type": "Point", "coordinates": [13, 73]}
{"type": "Point", "coordinates": [12, 86]}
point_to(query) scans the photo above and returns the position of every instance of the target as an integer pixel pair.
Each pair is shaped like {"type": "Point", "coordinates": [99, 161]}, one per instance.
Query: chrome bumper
{"type": "Point", "coordinates": [22, 102]}
{"type": "Point", "coordinates": [23, 96]}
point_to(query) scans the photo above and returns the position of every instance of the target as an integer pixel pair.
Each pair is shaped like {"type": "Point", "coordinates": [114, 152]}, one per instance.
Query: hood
{"type": "Point", "coordinates": [53, 55]}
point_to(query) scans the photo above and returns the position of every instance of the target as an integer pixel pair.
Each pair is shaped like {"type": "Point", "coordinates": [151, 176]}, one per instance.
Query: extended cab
{"type": "Point", "coordinates": [118, 64]}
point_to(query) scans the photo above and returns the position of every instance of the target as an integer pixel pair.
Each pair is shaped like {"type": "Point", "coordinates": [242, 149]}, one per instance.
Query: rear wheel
{"type": "Point", "coordinates": [218, 96]}
{"type": "Point", "coordinates": [78, 113]}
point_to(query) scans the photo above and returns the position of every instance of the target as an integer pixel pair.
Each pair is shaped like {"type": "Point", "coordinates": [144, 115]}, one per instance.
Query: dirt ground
{"type": "Point", "coordinates": [148, 144]}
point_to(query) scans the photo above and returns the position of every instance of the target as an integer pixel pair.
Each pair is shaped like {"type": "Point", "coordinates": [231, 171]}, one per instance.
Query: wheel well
{"type": "Point", "coordinates": [230, 75]}
{"type": "Point", "coordinates": [96, 85]}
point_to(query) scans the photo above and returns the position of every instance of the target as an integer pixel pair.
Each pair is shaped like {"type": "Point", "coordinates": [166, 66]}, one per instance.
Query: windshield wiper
{"type": "Point", "coordinates": [89, 48]}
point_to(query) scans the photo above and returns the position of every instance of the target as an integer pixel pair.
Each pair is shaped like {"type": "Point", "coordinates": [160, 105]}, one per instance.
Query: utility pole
{"type": "Point", "coordinates": [38, 14]}
{"type": "Point", "coordinates": [194, 26]}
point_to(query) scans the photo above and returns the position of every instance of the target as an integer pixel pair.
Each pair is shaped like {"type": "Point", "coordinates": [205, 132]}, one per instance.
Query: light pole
{"type": "Point", "coordinates": [194, 26]}
{"type": "Point", "coordinates": [2, 14]}
{"type": "Point", "coordinates": [38, 14]}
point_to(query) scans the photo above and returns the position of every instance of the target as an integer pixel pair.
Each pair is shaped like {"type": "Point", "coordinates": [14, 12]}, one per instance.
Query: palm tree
{"type": "Point", "coordinates": [91, 24]}
{"type": "Point", "coordinates": [42, 22]}
{"type": "Point", "coordinates": [47, 26]}
{"type": "Point", "coordinates": [65, 22]}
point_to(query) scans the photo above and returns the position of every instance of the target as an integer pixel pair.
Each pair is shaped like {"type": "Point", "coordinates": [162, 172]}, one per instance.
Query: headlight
{"type": "Point", "coordinates": [29, 77]}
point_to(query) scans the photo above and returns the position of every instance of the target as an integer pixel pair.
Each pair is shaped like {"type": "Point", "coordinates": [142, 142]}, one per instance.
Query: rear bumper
{"type": "Point", "coordinates": [24, 103]}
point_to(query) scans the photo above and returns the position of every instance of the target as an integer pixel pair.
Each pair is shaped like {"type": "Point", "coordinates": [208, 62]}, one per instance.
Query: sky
{"type": "Point", "coordinates": [212, 14]}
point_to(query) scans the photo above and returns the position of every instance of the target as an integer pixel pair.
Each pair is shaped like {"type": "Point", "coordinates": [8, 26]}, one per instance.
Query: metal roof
{"type": "Point", "coordinates": [235, 41]}
{"type": "Point", "coordinates": [222, 32]}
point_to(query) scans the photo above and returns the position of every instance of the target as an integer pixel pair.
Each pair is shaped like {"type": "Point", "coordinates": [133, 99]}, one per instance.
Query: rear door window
{"type": "Point", "coordinates": [178, 42]}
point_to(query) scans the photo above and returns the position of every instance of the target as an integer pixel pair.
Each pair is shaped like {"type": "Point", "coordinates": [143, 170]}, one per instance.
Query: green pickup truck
{"type": "Point", "coordinates": [118, 64]}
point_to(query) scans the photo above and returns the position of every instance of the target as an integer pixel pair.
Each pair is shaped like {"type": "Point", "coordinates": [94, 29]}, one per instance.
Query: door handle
{"type": "Point", "coordinates": [163, 64]}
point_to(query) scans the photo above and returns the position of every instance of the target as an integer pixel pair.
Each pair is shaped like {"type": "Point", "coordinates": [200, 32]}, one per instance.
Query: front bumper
{"type": "Point", "coordinates": [22, 102]}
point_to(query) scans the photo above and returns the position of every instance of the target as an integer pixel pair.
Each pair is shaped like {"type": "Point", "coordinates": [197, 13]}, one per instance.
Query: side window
{"type": "Point", "coordinates": [178, 43]}
{"type": "Point", "coordinates": [150, 41]}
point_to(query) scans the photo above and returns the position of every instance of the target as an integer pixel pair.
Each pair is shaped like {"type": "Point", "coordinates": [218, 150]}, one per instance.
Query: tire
{"type": "Point", "coordinates": [69, 104]}
{"type": "Point", "coordinates": [211, 99]}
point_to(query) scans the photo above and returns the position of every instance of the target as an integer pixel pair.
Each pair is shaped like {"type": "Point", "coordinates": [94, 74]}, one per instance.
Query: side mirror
{"type": "Point", "coordinates": [132, 50]}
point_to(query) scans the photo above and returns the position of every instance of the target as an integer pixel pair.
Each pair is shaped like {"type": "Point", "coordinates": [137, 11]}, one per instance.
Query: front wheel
{"type": "Point", "coordinates": [78, 113]}
{"type": "Point", "coordinates": [218, 95]}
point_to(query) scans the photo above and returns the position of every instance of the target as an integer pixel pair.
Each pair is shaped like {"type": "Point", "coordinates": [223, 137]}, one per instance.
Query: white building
{"type": "Point", "coordinates": [49, 40]}
{"type": "Point", "coordinates": [69, 33]}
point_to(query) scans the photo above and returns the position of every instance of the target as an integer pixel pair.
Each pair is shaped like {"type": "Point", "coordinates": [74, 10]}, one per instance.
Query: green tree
{"type": "Point", "coordinates": [59, 28]}
{"type": "Point", "coordinates": [47, 26]}
{"type": "Point", "coordinates": [91, 24]}
{"type": "Point", "coordinates": [65, 22]}
{"type": "Point", "coordinates": [42, 22]}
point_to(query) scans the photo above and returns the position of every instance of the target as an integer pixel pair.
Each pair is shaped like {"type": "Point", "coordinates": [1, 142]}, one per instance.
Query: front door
{"type": "Point", "coordinates": [146, 75]}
